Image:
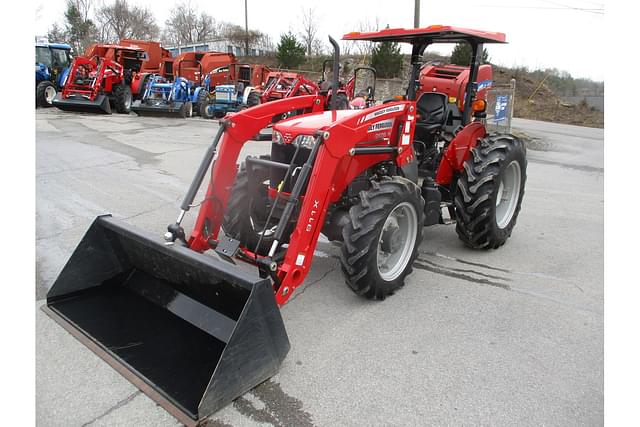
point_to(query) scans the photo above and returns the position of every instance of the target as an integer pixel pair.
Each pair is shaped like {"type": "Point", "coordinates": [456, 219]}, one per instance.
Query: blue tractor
{"type": "Point", "coordinates": [162, 97]}
{"type": "Point", "coordinates": [52, 67]}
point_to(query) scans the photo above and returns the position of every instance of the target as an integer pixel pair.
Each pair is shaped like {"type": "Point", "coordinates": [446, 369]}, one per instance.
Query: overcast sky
{"type": "Point", "coordinates": [565, 34]}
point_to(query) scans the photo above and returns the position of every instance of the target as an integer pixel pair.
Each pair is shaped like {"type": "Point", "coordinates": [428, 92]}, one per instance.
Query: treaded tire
{"type": "Point", "coordinates": [41, 93]}
{"type": "Point", "coordinates": [362, 233]}
{"type": "Point", "coordinates": [122, 98]}
{"type": "Point", "coordinates": [253, 99]}
{"type": "Point", "coordinates": [186, 110]}
{"type": "Point", "coordinates": [342, 102]}
{"type": "Point", "coordinates": [478, 187]}
{"type": "Point", "coordinates": [237, 221]}
{"type": "Point", "coordinates": [201, 103]}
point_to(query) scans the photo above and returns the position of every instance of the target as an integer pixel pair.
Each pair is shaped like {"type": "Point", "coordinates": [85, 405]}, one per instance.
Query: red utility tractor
{"type": "Point", "coordinates": [102, 78]}
{"type": "Point", "coordinates": [193, 329]}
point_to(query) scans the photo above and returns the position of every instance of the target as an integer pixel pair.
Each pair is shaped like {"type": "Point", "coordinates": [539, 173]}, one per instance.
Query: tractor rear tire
{"type": "Point", "coordinates": [202, 102]}
{"type": "Point", "coordinates": [490, 190]}
{"type": "Point", "coordinates": [122, 98]}
{"type": "Point", "coordinates": [186, 110]}
{"type": "Point", "coordinates": [45, 92]}
{"type": "Point", "coordinates": [253, 99]}
{"type": "Point", "coordinates": [382, 236]}
{"type": "Point", "coordinates": [237, 222]}
{"type": "Point", "coordinates": [342, 102]}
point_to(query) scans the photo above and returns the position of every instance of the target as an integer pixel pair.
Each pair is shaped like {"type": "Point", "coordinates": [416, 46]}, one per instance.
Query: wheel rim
{"type": "Point", "coordinates": [189, 110]}
{"type": "Point", "coordinates": [397, 241]}
{"type": "Point", "coordinates": [49, 94]}
{"type": "Point", "coordinates": [127, 100]}
{"type": "Point", "coordinates": [508, 194]}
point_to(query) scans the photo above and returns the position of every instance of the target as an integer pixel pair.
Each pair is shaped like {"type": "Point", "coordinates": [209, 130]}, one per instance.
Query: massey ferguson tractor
{"type": "Point", "coordinates": [183, 321]}
{"type": "Point", "coordinates": [102, 78]}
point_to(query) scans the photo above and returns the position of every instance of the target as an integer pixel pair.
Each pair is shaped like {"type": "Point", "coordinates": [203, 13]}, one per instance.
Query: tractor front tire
{"type": "Point", "coordinates": [382, 236]}
{"type": "Point", "coordinates": [186, 110]}
{"type": "Point", "coordinates": [253, 99]}
{"type": "Point", "coordinates": [122, 98]}
{"type": "Point", "coordinates": [202, 102]}
{"type": "Point", "coordinates": [238, 222]}
{"type": "Point", "coordinates": [489, 191]}
{"type": "Point", "coordinates": [45, 92]}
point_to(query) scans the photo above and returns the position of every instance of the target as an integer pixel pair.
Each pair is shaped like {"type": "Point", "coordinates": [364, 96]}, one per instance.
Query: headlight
{"type": "Point", "coordinates": [276, 137]}
{"type": "Point", "coordinates": [305, 141]}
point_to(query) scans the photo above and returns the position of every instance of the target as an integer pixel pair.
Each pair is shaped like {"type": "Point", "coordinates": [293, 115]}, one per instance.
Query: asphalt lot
{"type": "Point", "coordinates": [506, 337]}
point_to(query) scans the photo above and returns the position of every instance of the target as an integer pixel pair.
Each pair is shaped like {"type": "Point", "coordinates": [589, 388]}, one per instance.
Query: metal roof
{"type": "Point", "coordinates": [431, 34]}
{"type": "Point", "coordinates": [54, 45]}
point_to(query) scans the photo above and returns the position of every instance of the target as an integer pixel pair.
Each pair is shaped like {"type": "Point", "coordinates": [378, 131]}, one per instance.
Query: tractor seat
{"type": "Point", "coordinates": [432, 108]}
{"type": "Point", "coordinates": [325, 86]}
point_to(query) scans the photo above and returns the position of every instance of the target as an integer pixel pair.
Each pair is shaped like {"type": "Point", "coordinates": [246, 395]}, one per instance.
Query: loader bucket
{"type": "Point", "coordinates": [173, 109]}
{"type": "Point", "coordinates": [84, 105]}
{"type": "Point", "coordinates": [190, 331]}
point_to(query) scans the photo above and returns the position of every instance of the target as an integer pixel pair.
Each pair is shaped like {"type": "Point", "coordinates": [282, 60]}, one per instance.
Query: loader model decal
{"type": "Point", "coordinates": [382, 125]}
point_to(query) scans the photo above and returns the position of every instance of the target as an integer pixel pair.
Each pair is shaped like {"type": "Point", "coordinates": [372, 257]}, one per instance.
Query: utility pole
{"type": "Point", "coordinates": [416, 14]}
{"type": "Point", "coordinates": [246, 30]}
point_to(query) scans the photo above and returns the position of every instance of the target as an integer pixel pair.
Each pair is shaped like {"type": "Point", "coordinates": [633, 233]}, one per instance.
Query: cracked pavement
{"type": "Point", "coordinates": [503, 337]}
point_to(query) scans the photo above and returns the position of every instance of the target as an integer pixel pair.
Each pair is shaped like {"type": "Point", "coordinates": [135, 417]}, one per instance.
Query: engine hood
{"type": "Point", "coordinates": [308, 124]}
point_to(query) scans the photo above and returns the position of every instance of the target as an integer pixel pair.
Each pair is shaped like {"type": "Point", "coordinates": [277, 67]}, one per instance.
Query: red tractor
{"type": "Point", "coordinates": [207, 331]}
{"type": "Point", "coordinates": [282, 84]}
{"type": "Point", "coordinates": [107, 75]}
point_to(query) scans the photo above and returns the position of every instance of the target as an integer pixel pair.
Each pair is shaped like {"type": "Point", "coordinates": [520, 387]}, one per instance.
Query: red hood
{"type": "Point", "coordinates": [308, 124]}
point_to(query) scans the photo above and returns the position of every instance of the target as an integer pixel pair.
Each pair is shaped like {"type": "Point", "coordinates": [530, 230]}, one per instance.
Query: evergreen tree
{"type": "Point", "coordinates": [386, 59]}
{"type": "Point", "coordinates": [461, 54]}
{"type": "Point", "coordinates": [290, 52]}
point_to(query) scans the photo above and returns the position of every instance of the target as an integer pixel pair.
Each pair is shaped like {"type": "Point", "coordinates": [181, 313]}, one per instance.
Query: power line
{"type": "Point", "coordinates": [596, 11]}
{"type": "Point", "coordinates": [599, 11]}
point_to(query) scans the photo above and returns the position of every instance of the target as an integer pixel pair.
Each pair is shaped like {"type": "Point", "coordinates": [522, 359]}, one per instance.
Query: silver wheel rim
{"type": "Point", "coordinates": [396, 241]}
{"type": "Point", "coordinates": [508, 194]}
{"type": "Point", "coordinates": [127, 100]}
{"type": "Point", "coordinates": [49, 94]}
{"type": "Point", "coordinates": [189, 110]}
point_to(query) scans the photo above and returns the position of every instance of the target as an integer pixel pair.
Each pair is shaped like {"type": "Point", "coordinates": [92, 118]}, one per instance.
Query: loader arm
{"type": "Point", "coordinates": [238, 128]}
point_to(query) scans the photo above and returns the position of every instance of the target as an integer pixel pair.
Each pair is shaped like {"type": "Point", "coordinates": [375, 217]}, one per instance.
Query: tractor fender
{"type": "Point", "coordinates": [42, 73]}
{"type": "Point", "coordinates": [137, 83]}
{"type": "Point", "coordinates": [196, 93]}
{"type": "Point", "coordinates": [457, 152]}
{"type": "Point", "coordinates": [245, 94]}
{"type": "Point", "coordinates": [62, 78]}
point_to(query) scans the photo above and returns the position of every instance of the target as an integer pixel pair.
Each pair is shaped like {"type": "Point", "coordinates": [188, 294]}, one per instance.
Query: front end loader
{"type": "Point", "coordinates": [186, 325]}
{"type": "Point", "coordinates": [101, 79]}
{"type": "Point", "coordinates": [162, 97]}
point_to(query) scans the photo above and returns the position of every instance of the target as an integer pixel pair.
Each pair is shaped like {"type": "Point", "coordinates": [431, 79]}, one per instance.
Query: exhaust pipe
{"type": "Point", "coordinates": [336, 73]}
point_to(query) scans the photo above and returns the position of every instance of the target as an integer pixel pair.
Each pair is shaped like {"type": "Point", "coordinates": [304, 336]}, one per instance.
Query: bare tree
{"type": "Point", "coordinates": [364, 47]}
{"type": "Point", "coordinates": [186, 25]}
{"type": "Point", "coordinates": [237, 36]}
{"type": "Point", "coordinates": [120, 20]}
{"type": "Point", "coordinates": [310, 26]}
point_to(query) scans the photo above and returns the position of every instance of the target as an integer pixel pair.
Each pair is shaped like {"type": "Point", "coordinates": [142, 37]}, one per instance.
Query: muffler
{"type": "Point", "coordinates": [189, 330]}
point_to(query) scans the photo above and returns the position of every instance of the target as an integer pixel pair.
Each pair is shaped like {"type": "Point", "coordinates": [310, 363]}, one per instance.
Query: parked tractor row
{"type": "Point", "coordinates": [143, 77]}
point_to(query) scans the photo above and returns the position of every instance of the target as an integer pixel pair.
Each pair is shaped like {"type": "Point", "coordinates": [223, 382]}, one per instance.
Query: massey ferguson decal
{"type": "Point", "coordinates": [378, 113]}
{"type": "Point", "coordinates": [381, 125]}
